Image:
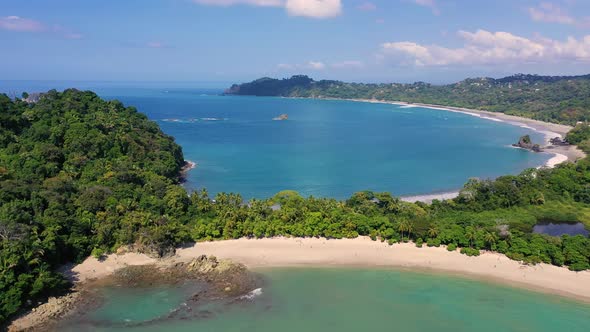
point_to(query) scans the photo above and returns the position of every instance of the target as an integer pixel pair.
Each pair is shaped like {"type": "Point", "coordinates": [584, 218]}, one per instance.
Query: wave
{"type": "Point", "coordinates": [252, 294]}
{"type": "Point", "coordinates": [214, 119]}
{"type": "Point", "coordinates": [181, 120]}
{"type": "Point", "coordinates": [192, 120]}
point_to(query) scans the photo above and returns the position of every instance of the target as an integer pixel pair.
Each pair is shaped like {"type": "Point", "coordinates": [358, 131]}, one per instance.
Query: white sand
{"type": "Point", "coordinates": [362, 252]}
{"type": "Point", "coordinates": [428, 198]}
{"type": "Point", "coordinates": [557, 159]}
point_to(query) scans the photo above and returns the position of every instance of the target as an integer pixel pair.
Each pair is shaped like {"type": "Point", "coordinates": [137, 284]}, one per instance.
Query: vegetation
{"type": "Point", "coordinates": [82, 176]}
{"type": "Point", "coordinates": [560, 99]}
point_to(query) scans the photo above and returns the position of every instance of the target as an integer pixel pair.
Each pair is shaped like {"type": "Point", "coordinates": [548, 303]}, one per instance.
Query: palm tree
{"type": "Point", "coordinates": [403, 227]}
{"type": "Point", "coordinates": [433, 231]}
{"type": "Point", "coordinates": [491, 238]}
{"type": "Point", "coordinates": [410, 228]}
{"type": "Point", "coordinates": [470, 234]}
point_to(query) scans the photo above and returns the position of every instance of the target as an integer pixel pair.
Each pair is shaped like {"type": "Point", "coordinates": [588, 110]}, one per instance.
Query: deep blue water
{"type": "Point", "coordinates": [326, 148]}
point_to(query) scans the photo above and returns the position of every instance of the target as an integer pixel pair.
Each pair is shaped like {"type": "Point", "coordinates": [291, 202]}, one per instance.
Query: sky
{"type": "Point", "coordinates": [438, 41]}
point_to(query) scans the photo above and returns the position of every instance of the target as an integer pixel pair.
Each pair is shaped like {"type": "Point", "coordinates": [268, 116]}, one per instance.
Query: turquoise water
{"type": "Point", "coordinates": [374, 300]}
{"type": "Point", "coordinates": [326, 148]}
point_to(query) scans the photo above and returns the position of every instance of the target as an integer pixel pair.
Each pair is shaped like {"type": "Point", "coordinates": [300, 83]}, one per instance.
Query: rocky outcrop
{"type": "Point", "coordinates": [281, 117]}
{"type": "Point", "coordinates": [221, 279]}
{"type": "Point", "coordinates": [525, 142]}
{"type": "Point", "coordinates": [32, 97]}
{"type": "Point", "coordinates": [41, 317]}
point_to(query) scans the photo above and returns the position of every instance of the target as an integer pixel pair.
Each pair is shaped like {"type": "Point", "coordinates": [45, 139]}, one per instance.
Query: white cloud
{"type": "Point", "coordinates": [16, 23]}
{"type": "Point", "coordinates": [428, 3]}
{"type": "Point", "coordinates": [316, 65]}
{"type": "Point", "coordinates": [310, 65]}
{"type": "Point", "coordinates": [367, 6]}
{"type": "Point", "coordinates": [348, 64]}
{"type": "Point", "coordinates": [263, 3]}
{"type": "Point", "coordinates": [21, 24]}
{"type": "Point", "coordinates": [155, 44]}
{"type": "Point", "coordinates": [492, 48]}
{"type": "Point", "coordinates": [285, 66]}
{"type": "Point", "coordinates": [307, 8]}
{"type": "Point", "coordinates": [548, 12]}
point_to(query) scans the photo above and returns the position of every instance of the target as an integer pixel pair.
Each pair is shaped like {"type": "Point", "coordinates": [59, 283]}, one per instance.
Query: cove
{"type": "Point", "coordinates": [328, 148]}
{"type": "Point", "coordinates": [315, 299]}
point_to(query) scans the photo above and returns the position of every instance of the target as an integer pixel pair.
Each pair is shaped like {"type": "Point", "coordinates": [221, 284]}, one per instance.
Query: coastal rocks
{"type": "Point", "coordinates": [281, 117]}
{"type": "Point", "coordinates": [32, 98]}
{"type": "Point", "coordinates": [40, 317]}
{"type": "Point", "coordinates": [525, 142]}
{"type": "Point", "coordinates": [188, 165]}
{"type": "Point", "coordinates": [223, 276]}
{"type": "Point", "coordinates": [205, 279]}
{"type": "Point", "coordinates": [558, 141]}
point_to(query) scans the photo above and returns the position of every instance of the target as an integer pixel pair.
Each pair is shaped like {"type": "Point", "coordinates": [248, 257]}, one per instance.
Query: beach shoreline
{"type": "Point", "coordinates": [561, 154]}
{"type": "Point", "coordinates": [360, 252]}
{"type": "Point", "coordinates": [548, 129]}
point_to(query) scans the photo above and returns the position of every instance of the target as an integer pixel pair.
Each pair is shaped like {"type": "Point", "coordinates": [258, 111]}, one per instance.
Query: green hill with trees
{"type": "Point", "coordinates": [81, 176]}
{"type": "Point", "coordinates": [560, 99]}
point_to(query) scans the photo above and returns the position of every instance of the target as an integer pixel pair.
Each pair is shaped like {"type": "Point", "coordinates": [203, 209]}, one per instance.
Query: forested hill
{"type": "Point", "coordinates": [560, 99]}
{"type": "Point", "coordinates": [77, 174]}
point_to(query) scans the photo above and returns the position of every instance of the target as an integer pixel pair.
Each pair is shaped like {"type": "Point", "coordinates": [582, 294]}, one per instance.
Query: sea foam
{"type": "Point", "coordinates": [252, 294]}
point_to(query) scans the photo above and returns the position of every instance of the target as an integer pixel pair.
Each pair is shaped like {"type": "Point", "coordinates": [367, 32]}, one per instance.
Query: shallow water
{"type": "Point", "coordinates": [360, 299]}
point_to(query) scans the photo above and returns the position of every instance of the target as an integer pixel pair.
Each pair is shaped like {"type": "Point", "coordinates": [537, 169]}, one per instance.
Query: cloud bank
{"type": "Point", "coordinates": [491, 48]}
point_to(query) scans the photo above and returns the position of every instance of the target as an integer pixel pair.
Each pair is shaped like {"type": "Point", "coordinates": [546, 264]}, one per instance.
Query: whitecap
{"type": "Point", "coordinates": [252, 294]}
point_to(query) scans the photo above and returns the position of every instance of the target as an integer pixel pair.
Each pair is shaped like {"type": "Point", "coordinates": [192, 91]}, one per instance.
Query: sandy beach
{"type": "Point", "coordinates": [362, 252]}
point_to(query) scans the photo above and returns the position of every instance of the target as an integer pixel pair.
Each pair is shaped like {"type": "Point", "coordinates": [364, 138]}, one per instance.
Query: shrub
{"type": "Point", "coordinates": [98, 253]}
{"type": "Point", "coordinates": [419, 242]}
{"type": "Point", "coordinates": [433, 242]}
{"type": "Point", "coordinates": [470, 251]}
{"type": "Point", "coordinates": [452, 247]}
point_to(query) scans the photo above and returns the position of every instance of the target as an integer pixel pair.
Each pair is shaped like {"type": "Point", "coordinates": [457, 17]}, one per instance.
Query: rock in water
{"type": "Point", "coordinates": [281, 117]}
{"type": "Point", "coordinates": [525, 142]}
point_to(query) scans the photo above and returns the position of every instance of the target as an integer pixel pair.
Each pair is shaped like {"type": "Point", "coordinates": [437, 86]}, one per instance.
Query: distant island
{"type": "Point", "coordinates": [558, 99]}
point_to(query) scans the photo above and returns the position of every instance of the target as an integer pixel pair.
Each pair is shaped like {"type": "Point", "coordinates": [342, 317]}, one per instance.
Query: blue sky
{"type": "Point", "coordinates": [238, 40]}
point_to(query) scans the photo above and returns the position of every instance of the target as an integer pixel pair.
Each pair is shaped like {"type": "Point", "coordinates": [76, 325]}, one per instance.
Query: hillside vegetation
{"type": "Point", "coordinates": [559, 99]}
